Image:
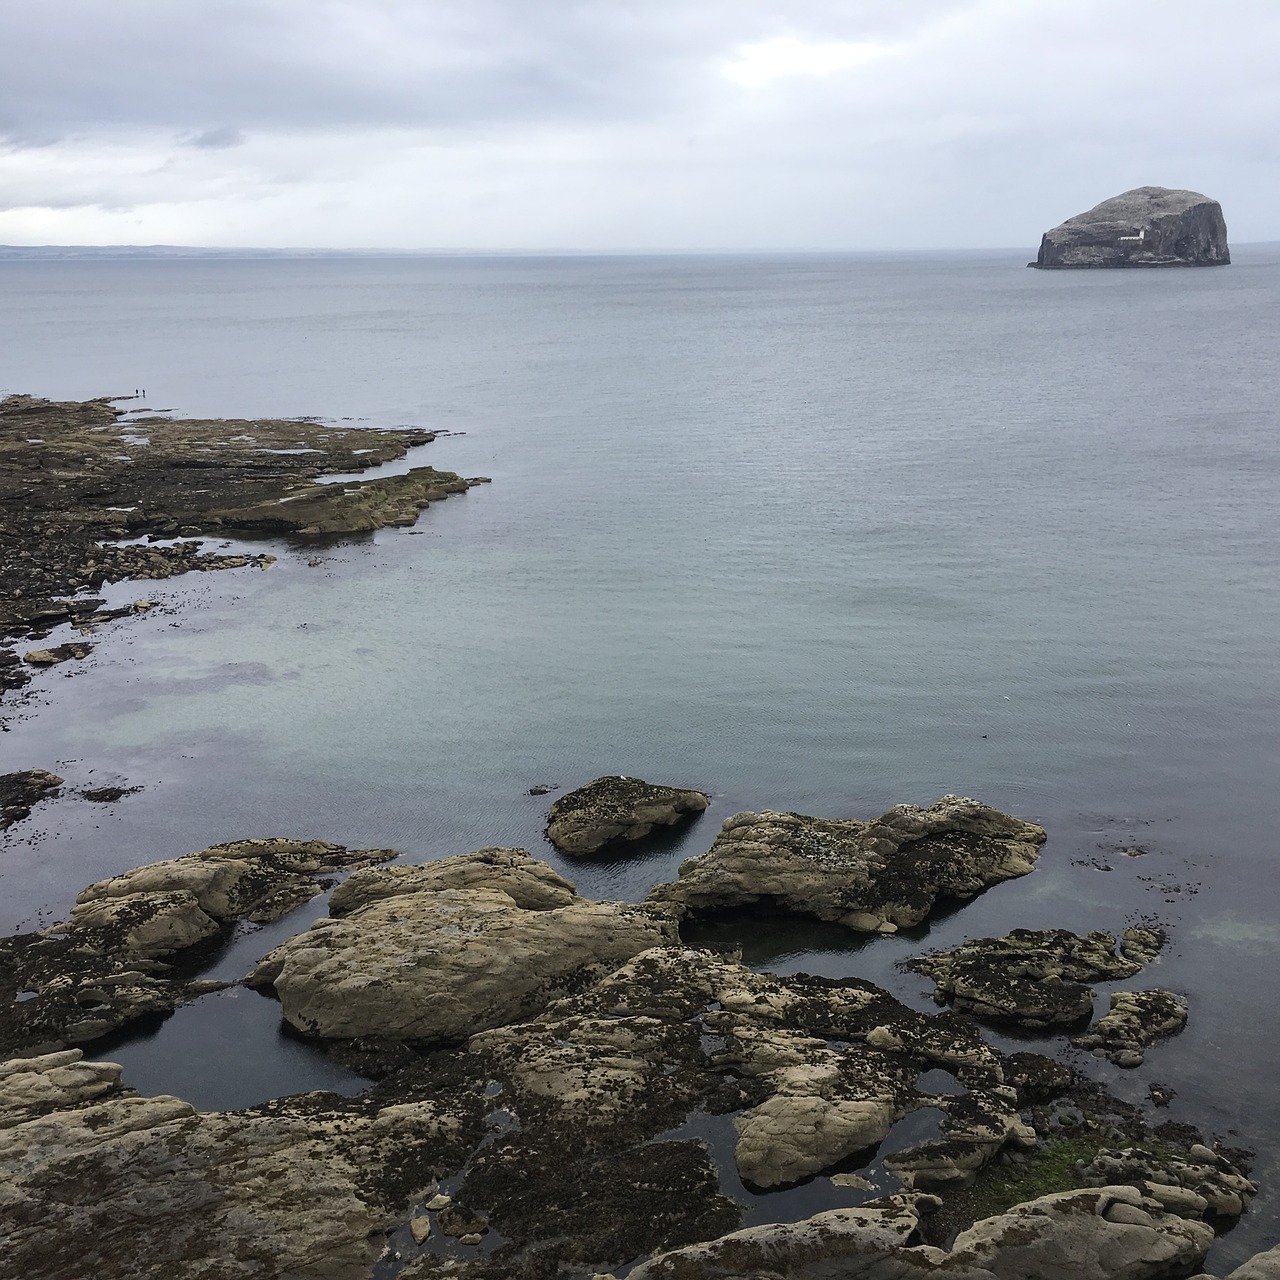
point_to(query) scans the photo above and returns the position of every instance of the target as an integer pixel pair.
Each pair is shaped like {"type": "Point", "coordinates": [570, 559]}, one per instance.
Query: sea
{"type": "Point", "coordinates": [822, 533]}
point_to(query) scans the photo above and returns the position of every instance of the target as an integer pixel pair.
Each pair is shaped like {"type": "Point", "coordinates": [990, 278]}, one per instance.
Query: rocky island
{"type": "Point", "coordinates": [1145, 227]}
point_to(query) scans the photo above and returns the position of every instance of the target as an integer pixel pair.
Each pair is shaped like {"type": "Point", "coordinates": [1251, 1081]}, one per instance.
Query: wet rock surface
{"type": "Point", "coordinates": [1145, 227]}
{"type": "Point", "coordinates": [1134, 1022]}
{"type": "Point", "coordinates": [875, 876]}
{"type": "Point", "coordinates": [543, 1064]}
{"type": "Point", "coordinates": [75, 481]}
{"type": "Point", "coordinates": [20, 791]}
{"type": "Point", "coordinates": [1074, 1235]}
{"type": "Point", "coordinates": [118, 957]}
{"type": "Point", "coordinates": [614, 810]}
{"type": "Point", "coordinates": [1035, 978]}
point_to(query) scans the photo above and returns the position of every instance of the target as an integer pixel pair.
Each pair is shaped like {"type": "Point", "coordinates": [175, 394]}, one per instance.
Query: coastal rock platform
{"type": "Point", "coordinates": [559, 1087]}
{"type": "Point", "coordinates": [87, 499]}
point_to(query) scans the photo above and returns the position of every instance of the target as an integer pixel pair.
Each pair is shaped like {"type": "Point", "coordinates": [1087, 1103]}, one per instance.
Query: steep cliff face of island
{"type": "Point", "coordinates": [1145, 227]}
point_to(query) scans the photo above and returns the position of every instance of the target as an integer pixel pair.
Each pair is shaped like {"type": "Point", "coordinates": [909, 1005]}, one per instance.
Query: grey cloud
{"type": "Point", "coordinates": [216, 139]}
{"type": "Point", "coordinates": [281, 64]}
{"type": "Point", "coordinates": [606, 122]}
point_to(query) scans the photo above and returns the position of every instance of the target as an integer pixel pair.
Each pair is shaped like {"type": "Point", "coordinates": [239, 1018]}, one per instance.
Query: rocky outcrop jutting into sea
{"type": "Point", "coordinates": [1145, 227]}
{"type": "Point", "coordinates": [876, 877]}
{"type": "Point", "coordinates": [81, 486]}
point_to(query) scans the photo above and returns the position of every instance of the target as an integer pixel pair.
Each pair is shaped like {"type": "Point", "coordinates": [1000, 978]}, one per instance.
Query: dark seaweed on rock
{"type": "Point", "coordinates": [540, 1136]}
{"type": "Point", "coordinates": [75, 481]}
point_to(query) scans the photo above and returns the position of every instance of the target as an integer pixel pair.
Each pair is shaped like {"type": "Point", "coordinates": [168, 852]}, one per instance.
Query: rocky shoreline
{"type": "Point", "coordinates": [89, 496]}
{"type": "Point", "coordinates": [558, 1086]}
{"type": "Point", "coordinates": [543, 1064]}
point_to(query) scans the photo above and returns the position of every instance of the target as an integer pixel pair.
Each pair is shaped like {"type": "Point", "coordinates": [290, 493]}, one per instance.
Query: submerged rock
{"type": "Point", "coordinates": [611, 810]}
{"type": "Point", "coordinates": [20, 791]}
{"type": "Point", "coordinates": [875, 876]}
{"type": "Point", "coordinates": [1135, 1021]}
{"type": "Point", "coordinates": [1033, 977]}
{"type": "Point", "coordinates": [1145, 227]}
{"type": "Point", "coordinates": [108, 964]}
{"type": "Point", "coordinates": [60, 653]}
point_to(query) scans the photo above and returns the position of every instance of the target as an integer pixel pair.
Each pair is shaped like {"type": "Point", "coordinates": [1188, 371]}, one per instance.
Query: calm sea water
{"type": "Point", "coordinates": [814, 533]}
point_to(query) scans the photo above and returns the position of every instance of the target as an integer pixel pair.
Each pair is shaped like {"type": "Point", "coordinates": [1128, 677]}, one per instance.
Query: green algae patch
{"type": "Point", "coordinates": [1054, 1166]}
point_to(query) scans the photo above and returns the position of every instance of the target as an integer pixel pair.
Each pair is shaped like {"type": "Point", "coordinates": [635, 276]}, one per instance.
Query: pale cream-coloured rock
{"type": "Point", "coordinates": [31, 1086]}
{"type": "Point", "coordinates": [148, 1187]}
{"type": "Point", "coordinates": [105, 966]}
{"type": "Point", "coordinates": [594, 1069]}
{"type": "Point", "coordinates": [528, 881]}
{"type": "Point", "coordinates": [790, 1137]}
{"type": "Point", "coordinates": [1191, 1185]}
{"type": "Point", "coordinates": [871, 876]}
{"type": "Point", "coordinates": [1110, 1233]}
{"type": "Point", "coordinates": [441, 965]}
{"type": "Point", "coordinates": [615, 809]}
{"type": "Point", "coordinates": [1262, 1266]}
{"type": "Point", "coordinates": [1095, 1234]}
{"type": "Point", "coordinates": [844, 1243]}
{"type": "Point", "coordinates": [256, 879]}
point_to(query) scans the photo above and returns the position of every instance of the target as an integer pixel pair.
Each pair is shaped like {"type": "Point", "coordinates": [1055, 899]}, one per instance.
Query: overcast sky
{"type": "Point", "coordinates": [625, 124]}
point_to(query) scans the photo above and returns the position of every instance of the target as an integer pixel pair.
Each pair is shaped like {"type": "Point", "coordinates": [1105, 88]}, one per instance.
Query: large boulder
{"type": "Point", "coordinates": [450, 951]}
{"type": "Point", "coordinates": [1107, 1233]}
{"type": "Point", "coordinates": [615, 810]}
{"type": "Point", "coordinates": [1033, 977]}
{"type": "Point", "coordinates": [1145, 227]}
{"type": "Point", "coordinates": [528, 881]}
{"type": "Point", "coordinates": [875, 876]}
